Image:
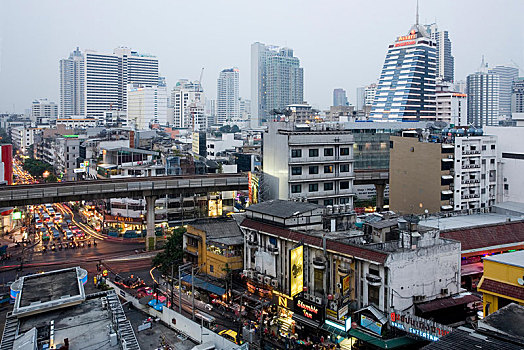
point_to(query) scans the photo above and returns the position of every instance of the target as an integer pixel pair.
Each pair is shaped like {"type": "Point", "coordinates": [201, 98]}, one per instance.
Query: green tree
{"type": "Point", "coordinates": [172, 253]}
{"type": "Point", "coordinates": [37, 167]}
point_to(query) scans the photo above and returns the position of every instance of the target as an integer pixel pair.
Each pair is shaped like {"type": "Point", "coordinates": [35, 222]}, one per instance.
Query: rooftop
{"type": "Point", "coordinates": [506, 322]}
{"type": "Point", "coordinates": [463, 221]}
{"type": "Point", "coordinates": [463, 338]}
{"type": "Point", "coordinates": [224, 232]}
{"type": "Point", "coordinates": [513, 258]}
{"type": "Point", "coordinates": [282, 208]}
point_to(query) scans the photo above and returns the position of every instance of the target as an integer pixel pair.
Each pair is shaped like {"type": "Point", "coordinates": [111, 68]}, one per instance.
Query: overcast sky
{"type": "Point", "coordinates": [340, 43]}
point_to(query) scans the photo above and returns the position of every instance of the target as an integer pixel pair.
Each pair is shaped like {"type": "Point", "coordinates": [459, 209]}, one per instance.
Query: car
{"type": "Point", "coordinates": [68, 233]}
{"type": "Point", "coordinates": [230, 335]}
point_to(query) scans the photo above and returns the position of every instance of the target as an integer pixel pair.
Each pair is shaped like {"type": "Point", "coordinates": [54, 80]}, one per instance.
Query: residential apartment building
{"type": "Point", "coordinates": [188, 102]}
{"type": "Point", "coordinates": [517, 96]}
{"type": "Point", "coordinates": [277, 80]}
{"type": "Point", "coordinates": [228, 100]}
{"type": "Point", "coordinates": [507, 75]}
{"type": "Point", "coordinates": [23, 138]}
{"type": "Point", "coordinates": [445, 60]}
{"type": "Point", "coordinates": [302, 113]}
{"type": "Point", "coordinates": [482, 89]}
{"type": "Point", "coordinates": [313, 163]}
{"type": "Point", "coordinates": [44, 112]}
{"type": "Point", "coordinates": [216, 146]}
{"type": "Point", "coordinates": [406, 88]}
{"type": "Point", "coordinates": [77, 122]}
{"type": "Point", "coordinates": [92, 82]}
{"type": "Point", "coordinates": [453, 171]}
{"type": "Point", "coordinates": [452, 107]}
{"type": "Point", "coordinates": [146, 105]}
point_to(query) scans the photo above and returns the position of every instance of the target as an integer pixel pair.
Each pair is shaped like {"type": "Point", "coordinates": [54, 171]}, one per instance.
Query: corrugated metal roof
{"type": "Point", "coordinates": [448, 302]}
{"type": "Point", "coordinates": [487, 236]}
{"type": "Point", "coordinates": [283, 209]}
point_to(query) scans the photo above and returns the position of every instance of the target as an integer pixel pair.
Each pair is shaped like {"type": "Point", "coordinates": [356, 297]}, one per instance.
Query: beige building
{"type": "Point", "coordinates": [418, 174]}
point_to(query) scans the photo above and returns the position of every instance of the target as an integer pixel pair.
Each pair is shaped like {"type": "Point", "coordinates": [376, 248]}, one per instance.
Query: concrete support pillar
{"type": "Point", "coordinates": [380, 187]}
{"type": "Point", "coordinates": [150, 237]}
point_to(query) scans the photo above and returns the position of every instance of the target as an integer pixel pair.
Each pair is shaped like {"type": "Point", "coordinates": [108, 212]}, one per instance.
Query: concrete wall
{"type": "Point", "coordinates": [182, 324]}
{"type": "Point", "coordinates": [509, 140]}
{"type": "Point", "coordinates": [275, 151]}
{"type": "Point", "coordinates": [424, 271]}
{"type": "Point", "coordinates": [414, 176]}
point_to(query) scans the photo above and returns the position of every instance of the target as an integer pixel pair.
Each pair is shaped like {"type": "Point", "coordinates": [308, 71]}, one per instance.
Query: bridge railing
{"type": "Point", "coordinates": [58, 190]}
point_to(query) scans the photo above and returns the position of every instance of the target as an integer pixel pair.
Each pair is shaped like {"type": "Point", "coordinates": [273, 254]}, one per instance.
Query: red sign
{"type": "Point", "coordinates": [405, 43]}
{"type": "Point", "coordinates": [407, 37]}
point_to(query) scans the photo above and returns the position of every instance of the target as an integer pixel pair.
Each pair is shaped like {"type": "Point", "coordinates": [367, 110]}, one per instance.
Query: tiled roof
{"type": "Point", "coordinates": [488, 285]}
{"type": "Point", "coordinates": [463, 339]}
{"type": "Point", "coordinates": [447, 302]}
{"type": "Point", "coordinates": [344, 248]}
{"type": "Point", "coordinates": [283, 209]}
{"type": "Point", "coordinates": [487, 236]}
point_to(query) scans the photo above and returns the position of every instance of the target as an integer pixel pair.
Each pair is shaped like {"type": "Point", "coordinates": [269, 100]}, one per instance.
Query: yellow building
{"type": "Point", "coordinates": [503, 281]}
{"type": "Point", "coordinates": [215, 245]}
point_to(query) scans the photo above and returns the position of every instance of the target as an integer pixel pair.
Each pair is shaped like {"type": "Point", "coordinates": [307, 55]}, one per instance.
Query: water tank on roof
{"type": "Point", "coordinates": [471, 131]}
{"type": "Point", "coordinates": [479, 132]}
{"type": "Point", "coordinates": [461, 132]}
{"type": "Point", "coordinates": [445, 131]}
{"type": "Point", "coordinates": [453, 131]}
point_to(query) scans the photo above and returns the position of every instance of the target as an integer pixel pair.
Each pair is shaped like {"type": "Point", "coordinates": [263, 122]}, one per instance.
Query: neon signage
{"type": "Point", "coordinates": [407, 37]}
{"type": "Point", "coordinates": [308, 310]}
{"type": "Point", "coordinates": [405, 43]}
{"type": "Point", "coordinates": [418, 326]}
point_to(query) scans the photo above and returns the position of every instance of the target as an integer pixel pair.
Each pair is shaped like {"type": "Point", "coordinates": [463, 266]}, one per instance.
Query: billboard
{"type": "Point", "coordinates": [297, 270]}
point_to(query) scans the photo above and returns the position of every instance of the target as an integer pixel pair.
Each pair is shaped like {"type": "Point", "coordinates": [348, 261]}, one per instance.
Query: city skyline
{"type": "Point", "coordinates": [308, 37]}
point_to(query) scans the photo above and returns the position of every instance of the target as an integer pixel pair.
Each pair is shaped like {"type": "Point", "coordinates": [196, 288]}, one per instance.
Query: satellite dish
{"type": "Point", "coordinates": [521, 281]}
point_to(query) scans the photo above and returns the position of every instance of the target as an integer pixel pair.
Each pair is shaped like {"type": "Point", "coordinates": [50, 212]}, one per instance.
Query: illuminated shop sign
{"type": "Point", "coordinates": [297, 270]}
{"type": "Point", "coordinates": [418, 326]}
{"type": "Point", "coordinates": [405, 43]}
{"type": "Point", "coordinates": [309, 310]}
{"type": "Point", "coordinates": [370, 324]}
{"type": "Point", "coordinates": [282, 300]}
{"type": "Point", "coordinates": [345, 327]}
{"type": "Point", "coordinates": [407, 37]}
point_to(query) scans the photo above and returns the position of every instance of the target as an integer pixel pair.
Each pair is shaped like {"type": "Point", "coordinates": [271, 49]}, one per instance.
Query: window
{"type": "Point", "coordinates": [313, 187]}
{"type": "Point", "coordinates": [313, 152]}
{"type": "Point", "coordinates": [328, 152]}
{"type": "Point", "coordinates": [296, 170]}
{"type": "Point", "coordinates": [344, 185]}
{"type": "Point", "coordinates": [328, 169]}
{"type": "Point", "coordinates": [344, 168]}
{"type": "Point", "coordinates": [492, 146]}
{"type": "Point", "coordinates": [492, 161]}
{"type": "Point", "coordinates": [328, 202]}
{"type": "Point", "coordinates": [343, 200]}
{"type": "Point", "coordinates": [296, 188]}
{"type": "Point", "coordinates": [313, 169]}
{"type": "Point", "coordinates": [296, 153]}
{"type": "Point", "coordinates": [313, 201]}
{"type": "Point", "coordinates": [211, 268]}
{"type": "Point", "coordinates": [328, 186]}
{"type": "Point", "coordinates": [483, 147]}
{"type": "Point", "coordinates": [344, 151]}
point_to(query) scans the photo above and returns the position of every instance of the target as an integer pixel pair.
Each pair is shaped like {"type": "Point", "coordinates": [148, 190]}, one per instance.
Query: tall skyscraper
{"type": "Point", "coordinates": [359, 98]}
{"type": "Point", "coordinates": [482, 89]}
{"type": "Point", "coordinates": [507, 75]}
{"type": "Point", "coordinates": [339, 97]}
{"type": "Point", "coordinates": [92, 83]}
{"type": "Point", "coordinates": [517, 96]}
{"type": "Point", "coordinates": [445, 61]}
{"type": "Point", "coordinates": [277, 80]}
{"type": "Point", "coordinates": [146, 104]}
{"type": "Point", "coordinates": [72, 85]}
{"type": "Point", "coordinates": [228, 104]}
{"type": "Point", "coordinates": [189, 103]}
{"type": "Point", "coordinates": [406, 88]}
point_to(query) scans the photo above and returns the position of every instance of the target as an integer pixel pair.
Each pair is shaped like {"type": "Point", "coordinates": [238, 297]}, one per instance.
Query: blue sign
{"type": "Point", "coordinates": [371, 324]}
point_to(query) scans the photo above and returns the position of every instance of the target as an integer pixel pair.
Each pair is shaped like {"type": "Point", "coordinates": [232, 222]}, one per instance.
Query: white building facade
{"type": "Point", "coordinates": [314, 163]}
{"type": "Point", "coordinates": [146, 105]}
{"type": "Point", "coordinates": [452, 107]}
{"type": "Point", "coordinates": [228, 103]}
{"type": "Point", "coordinates": [44, 112]}
{"type": "Point", "coordinates": [188, 102]}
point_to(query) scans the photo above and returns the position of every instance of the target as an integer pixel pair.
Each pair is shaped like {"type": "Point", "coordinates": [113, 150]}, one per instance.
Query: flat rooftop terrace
{"type": "Point", "coordinates": [461, 221]}
{"type": "Point", "coordinates": [50, 286]}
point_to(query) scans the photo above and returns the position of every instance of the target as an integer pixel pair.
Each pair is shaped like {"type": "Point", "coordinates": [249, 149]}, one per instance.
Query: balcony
{"type": "Point", "coordinates": [319, 264]}
{"type": "Point", "coordinates": [373, 280]}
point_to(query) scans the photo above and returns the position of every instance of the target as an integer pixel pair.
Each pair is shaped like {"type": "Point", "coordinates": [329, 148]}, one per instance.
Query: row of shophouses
{"type": "Point", "coordinates": [386, 281]}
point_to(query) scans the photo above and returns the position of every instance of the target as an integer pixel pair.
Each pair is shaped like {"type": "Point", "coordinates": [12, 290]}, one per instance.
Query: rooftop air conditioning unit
{"type": "Point", "coordinates": [311, 297]}
{"type": "Point", "coordinates": [318, 300]}
{"type": "Point", "coordinates": [260, 278]}
{"type": "Point", "coordinates": [306, 296]}
{"type": "Point", "coordinates": [274, 283]}
{"type": "Point", "coordinates": [267, 280]}
{"type": "Point", "coordinates": [444, 291]}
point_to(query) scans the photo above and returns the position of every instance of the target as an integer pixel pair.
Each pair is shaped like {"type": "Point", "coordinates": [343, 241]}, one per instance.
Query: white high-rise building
{"type": "Point", "coordinates": [276, 80]}
{"type": "Point", "coordinates": [482, 89]}
{"type": "Point", "coordinates": [452, 107]}
{"type": "Point", "coordinates": [146, 105]}
{"type": "Point", "coordinates": [369, 94]}
{"type": "Point", "coordinates": [507, 75]}
{"type": "Point", "coordinates": [92, 83]}
{"type": "Point", "coordinates": [228, 104]}
{"type": "Point", "coordinates": [445, 61]}
{"type": "Point", "coordinates": [72, 85]}
{"type": "Point", "coordinates": [44, 112]}
{"type": "Point", "coordinates": [188, 102]}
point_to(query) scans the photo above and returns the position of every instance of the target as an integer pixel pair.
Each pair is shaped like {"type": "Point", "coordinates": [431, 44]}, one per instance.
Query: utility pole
{"type": "Point", "coordinates": [193, 289]}
{"type": "Point", "coordinates": [172, 301]}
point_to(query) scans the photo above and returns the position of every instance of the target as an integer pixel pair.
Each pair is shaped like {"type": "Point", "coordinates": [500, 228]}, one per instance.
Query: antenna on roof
{"type": "Point", "coordinates": [416, 22]}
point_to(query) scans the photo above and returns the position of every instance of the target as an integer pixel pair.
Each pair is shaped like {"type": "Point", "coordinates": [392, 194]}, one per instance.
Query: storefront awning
{"type": "Point", "coordinates": [472, 269]}
{"type": "Point", "coordinates": [379, 342]}
{"type": "Point", "coordinates": [306, 321]}
{"type": "Point", "coordinates": [204, 285]}
{"type": "Point", "coordinates": [334, 330]}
